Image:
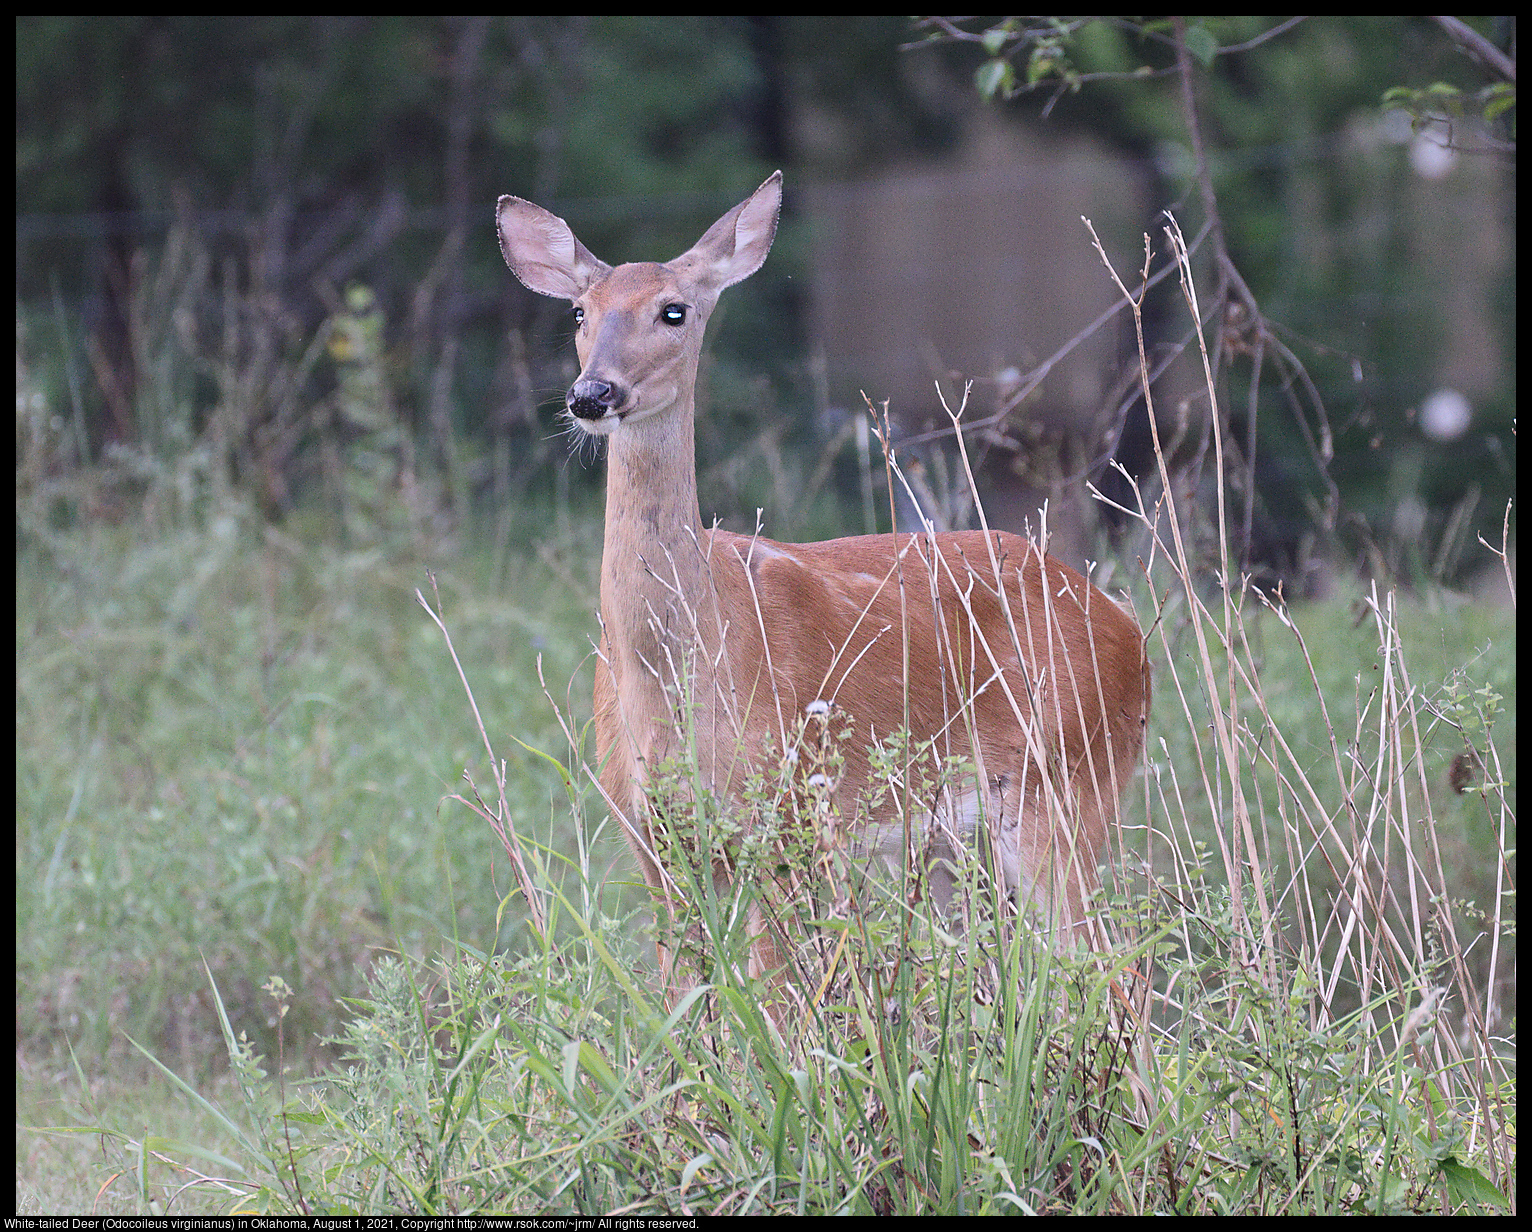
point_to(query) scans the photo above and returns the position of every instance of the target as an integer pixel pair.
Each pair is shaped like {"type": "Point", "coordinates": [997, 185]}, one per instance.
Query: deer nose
{"type": "Point", "coordinates": [590, 399]}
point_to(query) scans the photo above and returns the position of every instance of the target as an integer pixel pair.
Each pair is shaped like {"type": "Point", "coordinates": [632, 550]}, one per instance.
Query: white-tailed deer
{"type": "Point", "coordinates": [974, 643]}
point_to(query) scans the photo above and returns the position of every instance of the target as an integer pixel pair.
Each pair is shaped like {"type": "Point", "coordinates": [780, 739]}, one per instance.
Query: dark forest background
{"type": "Point", "coordinates": [255, 258]}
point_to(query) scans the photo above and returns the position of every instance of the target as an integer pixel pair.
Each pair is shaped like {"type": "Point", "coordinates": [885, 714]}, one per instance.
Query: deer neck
{"type": "Point", "coordinates": [656, 593]}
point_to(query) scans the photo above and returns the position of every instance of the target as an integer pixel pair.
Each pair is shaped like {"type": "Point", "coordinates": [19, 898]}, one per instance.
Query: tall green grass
{"type": "Point", "coordinates": [237, 849]}
{"type": "Point", "coordinates": [239, 756]}
{"type": "Point", "coordinates": [549, 1077]}
{"type": "Point", "coordinates": [232, 745]}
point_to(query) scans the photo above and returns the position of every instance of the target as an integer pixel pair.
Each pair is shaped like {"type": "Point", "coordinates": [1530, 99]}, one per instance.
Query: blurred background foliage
{"type": "Point", "coordinates": [255, 260]}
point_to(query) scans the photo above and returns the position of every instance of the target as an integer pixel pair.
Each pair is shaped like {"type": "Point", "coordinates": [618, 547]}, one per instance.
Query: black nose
{"type": "Point", "coordinates": [593, 399]}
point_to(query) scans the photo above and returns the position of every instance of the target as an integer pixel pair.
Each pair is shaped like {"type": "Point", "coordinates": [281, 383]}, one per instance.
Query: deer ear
{"type": "Point", "coordinates": [543, 252]}
{"type": "Point", "coordinates": [736, 245]}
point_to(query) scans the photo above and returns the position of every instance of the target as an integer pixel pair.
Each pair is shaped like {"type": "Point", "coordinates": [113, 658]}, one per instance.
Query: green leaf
{"type": "Point", "coordinates": [1046, 58]}
{"type": "Point", "coordinates": [994, 76]}
{"type": "Point", "coordinates": [1499, 102]}
{"type": "Point", "coordinates": [1202, 43]}
{"type": "Point", "coordinates": [1467, 1184]}
{"type": "Point", "coordinates": [994, 39]}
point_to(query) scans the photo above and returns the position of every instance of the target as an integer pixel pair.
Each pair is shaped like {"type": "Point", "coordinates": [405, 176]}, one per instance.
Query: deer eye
{"type": "Point", "coordinates": [579, 315]}
{"type": "Point", "coordinates": [673, 314]}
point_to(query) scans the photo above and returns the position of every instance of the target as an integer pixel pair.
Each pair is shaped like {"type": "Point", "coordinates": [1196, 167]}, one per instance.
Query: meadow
{"type": "Point", "coordinates": [266, 961]}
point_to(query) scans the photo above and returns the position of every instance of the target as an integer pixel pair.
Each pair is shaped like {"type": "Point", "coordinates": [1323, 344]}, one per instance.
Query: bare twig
{"type": "Point", "coordinates": [1479, 47]}
{"type": "Point", "coordinates": [499, 818]}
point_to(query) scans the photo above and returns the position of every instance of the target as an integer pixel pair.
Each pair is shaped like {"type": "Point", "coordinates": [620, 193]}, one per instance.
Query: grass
{"type": "Point", "coordinates": [233, 749]}
{"type": "Point", "coordinates": [266, 963]}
